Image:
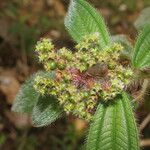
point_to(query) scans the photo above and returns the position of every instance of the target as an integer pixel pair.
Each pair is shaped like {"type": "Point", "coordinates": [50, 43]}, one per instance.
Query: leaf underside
{"type": "Point", "coordinates": [143, 19]}
{"type": "Point", "coordinates": [82, 19]}
{"type": "Point", "coordinates": [141, 57]}
{"type": "Point", "coordinates": [46, 111]}
{"type": "Point", "coordinates": [113, 127]}
{"type": "Point", "coordinates": [26, 97]}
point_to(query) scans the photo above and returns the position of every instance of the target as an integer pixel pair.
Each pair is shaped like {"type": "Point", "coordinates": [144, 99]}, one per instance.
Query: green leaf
{"type": "Point", "coordinates": [46, 111]}
{"type": "Point", "coordinates": [127, 46]}
{"type": "Point", "coordinates": [26, 97]}
{"type": "Point", "coordinates": [82, 19]}
{"type": "Point", "coordinates": [114, 127]}
{"type": "Point", "coordinates": [141, 57]}
{"type": "Point", "coordinates": [143, 19]}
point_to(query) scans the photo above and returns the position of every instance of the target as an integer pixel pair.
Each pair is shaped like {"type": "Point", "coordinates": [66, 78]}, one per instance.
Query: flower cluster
{"type": "Point", "coordinates": [84, 77]}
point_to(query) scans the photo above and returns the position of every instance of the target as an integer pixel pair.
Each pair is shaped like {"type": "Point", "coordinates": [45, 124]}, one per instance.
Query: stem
{"type": "Point", "coordinates": [145, 122]}
{"type": "Point", "coordinates": [145, 143]}
{"type": "Point", "coordinates": [23, 139]}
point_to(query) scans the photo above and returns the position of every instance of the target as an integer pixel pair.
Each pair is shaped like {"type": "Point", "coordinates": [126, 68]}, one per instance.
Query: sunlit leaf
{"type": "Point", "coordinates": [114, 127]}
{"type": "Point", "coordinates": [46, 111]}
{"type": "Point", "coordinates": [141, 57]}
{"type": "Point", "coordinates": [82, 19]}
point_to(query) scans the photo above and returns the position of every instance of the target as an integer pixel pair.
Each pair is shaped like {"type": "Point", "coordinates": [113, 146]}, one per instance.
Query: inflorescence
{"type": "Point", "coordinates": [82, 78]}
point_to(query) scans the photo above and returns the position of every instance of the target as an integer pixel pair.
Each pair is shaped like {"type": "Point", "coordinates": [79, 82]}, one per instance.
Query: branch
{"type": "Point", "coordinates": [145, 122]}
{"type": "Point", "coordinates": [145, 143]}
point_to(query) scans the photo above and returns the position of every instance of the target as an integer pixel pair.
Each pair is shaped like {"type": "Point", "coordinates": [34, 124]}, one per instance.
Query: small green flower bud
{"type": "Point", "coordinates": [52, 65]}
{"type": "Point", "coordinates": [61, 64]}
{"type": "Point", "coordinates": [111, 66]}
{"type": "Point", "coordinates": [66, 96]}
{"type": "Point", "coordinates": [86, 94]}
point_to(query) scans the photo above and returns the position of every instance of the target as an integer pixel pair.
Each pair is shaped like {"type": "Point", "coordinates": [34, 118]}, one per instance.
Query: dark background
{"type": "Point", "coordinates": [22, 23]}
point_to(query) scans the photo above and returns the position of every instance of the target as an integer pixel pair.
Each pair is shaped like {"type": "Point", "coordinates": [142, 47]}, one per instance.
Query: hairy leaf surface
{"type": "Point", "coordinates": [141, 57]}
{"type": "Point", "coordinates": [26, 97]}
{"type": "Point", "coordinates": [143, 19]}
{"type": "Point", "coordinates": [82, 19]}
{"type": "Point", "coordinates": [114, 127]}
{"type": "Point", "coordinates": [46, 111]}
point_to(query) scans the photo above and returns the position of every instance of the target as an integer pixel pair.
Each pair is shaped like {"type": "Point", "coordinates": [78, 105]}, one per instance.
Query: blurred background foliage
{"type": "Point", "coordinates": [22, 23]}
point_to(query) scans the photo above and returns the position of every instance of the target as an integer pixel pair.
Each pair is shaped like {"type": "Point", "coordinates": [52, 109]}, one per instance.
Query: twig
{"type": "Point", "coordinates": [145, 143]}
{"type": "Point", "coordinates": [23, 140]}
{"type": "Point", "coordinates": [145, 122]}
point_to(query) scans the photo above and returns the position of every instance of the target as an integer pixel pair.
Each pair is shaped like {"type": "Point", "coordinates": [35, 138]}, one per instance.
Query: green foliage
{"type": "Point", "coordinates": [127, 46]}
{"type": "Point", "coordinates": [3, 139]}
{"type": "Point", "coordinates": [141, 57]}
{"type": "Point", "coordinates": [143, 19]}
{"type": "Point", "coordinates": [46, 111]}
{"type": "Point", "coordinates": [82, 19]}
{"type": "Point", "coordinates": [26, 97]}
{"type": "Point", "coordinates": [113, 127]}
